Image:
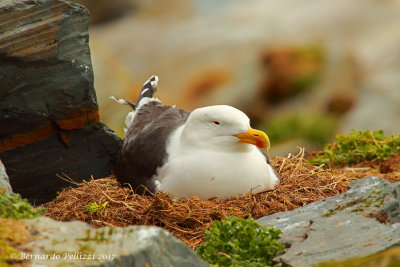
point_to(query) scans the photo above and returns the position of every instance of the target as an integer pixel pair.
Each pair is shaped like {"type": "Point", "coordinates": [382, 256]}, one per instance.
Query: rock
{"type": "Point", "coordinates": [4, 181]}
{"type": "Point", "coordinates": [387, 258]}
{"type": "Point", "coordinates": [12, 234]}
{"type": "Point", "coordinates": [36, 170]}
{"type": "Point", "coordinates": [362, 221]}
{"type": "Point", "coordinates": [78, 244]}
{"type": "Point", "coordinates": [49, 118]}
{"type": "Point", "coordinates": [46, 72]}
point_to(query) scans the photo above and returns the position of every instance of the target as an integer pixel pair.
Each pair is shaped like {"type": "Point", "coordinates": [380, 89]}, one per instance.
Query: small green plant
{"type": "Point", "coordinates": [240, 242]}
{"type": "Point", "coordinates": [358, 146]}
{"type": "Point", "coordinates": [96, 208]}
{"type": "Point", "coordinates": [13, 206]}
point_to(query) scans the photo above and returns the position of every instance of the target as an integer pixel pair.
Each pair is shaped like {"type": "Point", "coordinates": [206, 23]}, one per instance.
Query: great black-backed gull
{"type": "Point", "coordinates": [209, 152]}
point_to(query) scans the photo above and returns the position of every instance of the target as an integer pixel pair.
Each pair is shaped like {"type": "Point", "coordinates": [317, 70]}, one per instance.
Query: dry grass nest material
{"type": "Point", "coordinates": [187, 219]}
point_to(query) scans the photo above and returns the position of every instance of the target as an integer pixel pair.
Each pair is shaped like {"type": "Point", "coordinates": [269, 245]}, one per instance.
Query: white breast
{"type": "Point", "coordinates": [208, 174]}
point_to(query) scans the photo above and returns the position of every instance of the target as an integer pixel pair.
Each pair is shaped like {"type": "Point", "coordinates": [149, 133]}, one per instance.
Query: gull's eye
{"type": "Point", "coordinates": [216, 122]}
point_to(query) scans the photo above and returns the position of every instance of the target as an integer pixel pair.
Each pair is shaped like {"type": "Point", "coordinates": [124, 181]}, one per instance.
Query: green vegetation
{"type": "Point", "coordinates": [304, 82]}
{"type": "Point", "coordinates": [377, 199]}
{"type": "Point", "coordinates": [96, 208]}
{"type": "Point", "coordinates": [13, 233]}
{"type": "Point", "coordinates": [309, 65]}
{"type": "Point", "coordinates": [388, 258]}
{"type": "Point", "coordinates": [240, 242]}
{"type": "Point", "coordinates": [315, 128]}
{"type": "Point", "coordinates": [358, 146]}
{"type": "Point", "coordinates": [13, 206]}
{"type": "Point", "coordinates": [99, 235]}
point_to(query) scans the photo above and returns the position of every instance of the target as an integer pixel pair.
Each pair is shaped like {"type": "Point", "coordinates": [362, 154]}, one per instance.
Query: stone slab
{"type": "Point", "coordinates": [362, 221]}
{"type": "Point", "coordinates": [35, 169]}
{"type": "Point", "coordinates": [78, 244]}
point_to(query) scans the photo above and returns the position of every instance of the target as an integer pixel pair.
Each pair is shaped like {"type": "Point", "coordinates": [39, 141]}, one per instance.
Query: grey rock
{"type": "Point", "coordinates": [36, 170]}
{"type": "Point", "coordinates": [49, 118]}
{"type": "Point", "coordinates": [362, 221]}
{"type": "Point", "coordinates": [45, 71]}
{"type": "Point", "coordinates": [4, 181]}
{"type": "Point", "coordinates": [78, 244]}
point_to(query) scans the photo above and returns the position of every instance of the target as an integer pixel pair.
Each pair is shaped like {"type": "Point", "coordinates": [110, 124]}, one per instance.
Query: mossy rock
{"type": "Point", "coordinates": [13, 233]}
{"type": "Point", "coordinates": [12, 205]}
{"type": "Point", "coordinates": [387, 258]}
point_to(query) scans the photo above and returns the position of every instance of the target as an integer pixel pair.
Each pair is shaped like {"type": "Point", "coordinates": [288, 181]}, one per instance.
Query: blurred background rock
{"type": "Point", "coordinates": [303, 70]}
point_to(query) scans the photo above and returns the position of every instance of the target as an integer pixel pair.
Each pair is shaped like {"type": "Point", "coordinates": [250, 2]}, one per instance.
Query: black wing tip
{"type": "Point", "coordinates": [153, 78]}
{"type": "Point", "coordinates": [149, 88]}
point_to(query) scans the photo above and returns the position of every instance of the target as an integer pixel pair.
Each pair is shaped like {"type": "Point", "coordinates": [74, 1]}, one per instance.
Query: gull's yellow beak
{"type": "Point", "coordinates": [254, 137]}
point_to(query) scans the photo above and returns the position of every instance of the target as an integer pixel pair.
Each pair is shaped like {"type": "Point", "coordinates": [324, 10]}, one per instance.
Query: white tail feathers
{"type": "Point", "coordinates": [119, 100]}
{"type": "Point", "coordinates": [144, 98]}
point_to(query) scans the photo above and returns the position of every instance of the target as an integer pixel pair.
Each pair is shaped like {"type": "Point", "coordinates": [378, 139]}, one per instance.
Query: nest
{"type": "Point", "coordinates": [187, 219]}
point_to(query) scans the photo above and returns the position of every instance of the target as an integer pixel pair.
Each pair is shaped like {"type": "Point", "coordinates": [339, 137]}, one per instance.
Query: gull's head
{"type": "Point", "coordinates": [222, 128]}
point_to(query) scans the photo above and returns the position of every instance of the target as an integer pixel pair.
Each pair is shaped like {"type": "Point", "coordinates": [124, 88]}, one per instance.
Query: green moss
{"type": "Point", "coordinates": [86, 249]}
{"type": "Point", "coordinates": [376, 199]}
{"type": "Point", "coordinates": [97, 235]}
{"type": "Point", "coordinates": [387, 258]}
{"type": "Point", "coordinates": [13, 206]}
{"type": "Point", "coordinates": [315, 128]}
{"type": "Point", "coordinates": [332, 212]}
{"type": "Point", "coordinates": [240, 242]}
{"type": "Point", "coordinates": [358, 146]}
{"type": "Point", "coordinates": [5, 253]}
{"type": "Point", "coordinates": [13, 233]}
{"type": "Point", "coordinates": [111, 230]}
{"type": "Point", "coordinates": [358, 209]}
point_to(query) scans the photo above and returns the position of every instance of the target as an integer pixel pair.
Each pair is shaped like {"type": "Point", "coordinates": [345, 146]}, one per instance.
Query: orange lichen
{"type": "Point", "coordinates": [79, 120]}
{"type": "Point", "coordinates": [50, 129]}
{"type": "Point", "coordinates": [38, 134]}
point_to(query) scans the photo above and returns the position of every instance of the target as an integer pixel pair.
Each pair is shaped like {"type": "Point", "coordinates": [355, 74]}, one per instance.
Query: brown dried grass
{"type": "Point", "coordinates": [187, 219]}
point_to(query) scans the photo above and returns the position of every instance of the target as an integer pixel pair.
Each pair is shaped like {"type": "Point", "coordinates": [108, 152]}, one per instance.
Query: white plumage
{"type": "Point", "coordinates": [213, 153]}
{"type": "Point", "coordinates": [206, 159]}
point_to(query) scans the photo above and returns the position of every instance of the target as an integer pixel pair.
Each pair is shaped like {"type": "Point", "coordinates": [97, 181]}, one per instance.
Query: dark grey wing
{"type": "Point", "coordinates": [144, 147]}
{"type": "Point", "coordinates": [145, 115]}
{"type": "Point", "coordinates": [267, 159]}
